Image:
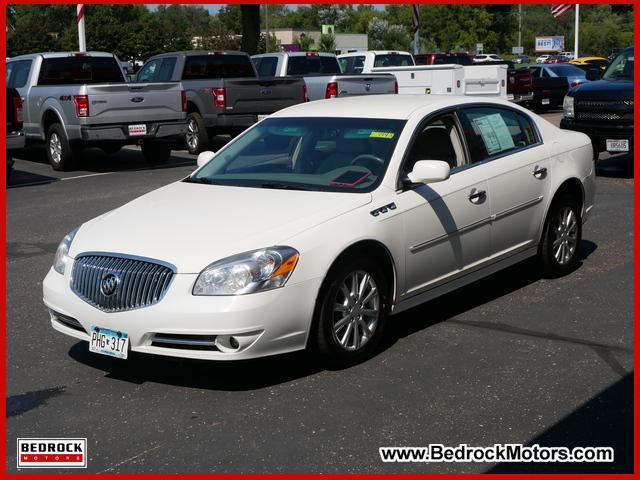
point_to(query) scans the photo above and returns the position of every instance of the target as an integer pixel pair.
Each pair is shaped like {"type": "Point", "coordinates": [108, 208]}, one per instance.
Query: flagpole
{"type": "Point", "coordinates": [577, 33]}
{"type": "Point", "coordinates": [82, 44]}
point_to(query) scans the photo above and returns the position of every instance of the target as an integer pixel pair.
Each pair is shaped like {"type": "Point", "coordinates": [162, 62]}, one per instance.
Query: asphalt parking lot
{"type": "Point", "coordinates": [510, 359]}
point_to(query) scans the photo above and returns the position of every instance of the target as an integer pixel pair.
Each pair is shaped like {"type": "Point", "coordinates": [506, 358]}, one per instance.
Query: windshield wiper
{"type": "Point", "coordinates": [281, 186]}
{"type": "Point", "coordinates": [206, 181]}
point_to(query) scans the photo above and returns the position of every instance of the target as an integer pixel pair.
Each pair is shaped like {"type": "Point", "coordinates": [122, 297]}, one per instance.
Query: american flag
{"type": "Point", "coordinates": [558, 10]}
{"type": "Point", "coordinates": [415, 21]}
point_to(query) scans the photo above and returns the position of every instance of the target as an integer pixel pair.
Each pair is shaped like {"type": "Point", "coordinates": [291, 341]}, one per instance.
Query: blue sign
{"type": "Point", "coordinates": [550, 44]}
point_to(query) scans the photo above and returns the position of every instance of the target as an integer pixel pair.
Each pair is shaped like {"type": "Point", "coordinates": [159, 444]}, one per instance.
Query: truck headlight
{"type": "Point", "coordinates": [62, 253]}
{"type": "Point", "coordinates": [567, 106]}
{"type": "Point", "coordinates": [248, 272]}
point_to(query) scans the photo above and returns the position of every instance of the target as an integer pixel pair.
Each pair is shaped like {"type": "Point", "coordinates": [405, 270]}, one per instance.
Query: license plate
{"type": "Point", "coordinates": [545, 101]}
{"type": "Point", "coordinates": [617, 145]}
{"type": "Point", "coordinates": [510, 96]}
{"type": "Point", "coordinates": [262, 117]}
{"type": "Point", "coordinates": [137, 130]}
{"type": "Point", "coordinates": [109, 342]}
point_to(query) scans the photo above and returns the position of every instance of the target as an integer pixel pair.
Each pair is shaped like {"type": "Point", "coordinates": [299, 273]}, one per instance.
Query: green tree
{"type": "Point", "coordinates": [304, 41]}
{"type": "Point", "coordinates": [327, 43]}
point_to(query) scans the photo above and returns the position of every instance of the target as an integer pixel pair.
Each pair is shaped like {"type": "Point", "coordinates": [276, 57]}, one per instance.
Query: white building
{"type": "Point", "coordinates": [345, 42]}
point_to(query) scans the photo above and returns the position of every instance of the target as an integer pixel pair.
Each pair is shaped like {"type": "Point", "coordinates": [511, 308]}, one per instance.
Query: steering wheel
{"type": "Point", "coordinates": [369, 161]}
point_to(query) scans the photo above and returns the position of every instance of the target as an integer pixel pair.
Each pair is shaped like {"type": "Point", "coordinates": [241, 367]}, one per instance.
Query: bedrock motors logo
{"type": "Point", "coordinates": [52, 453]}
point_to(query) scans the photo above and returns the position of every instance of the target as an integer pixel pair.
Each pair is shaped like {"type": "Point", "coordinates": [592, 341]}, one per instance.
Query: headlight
{"type": "Point", "coordinates": [62, 253]}
{"type": "Point", "coordinates": [567, 106]}
{"type": "Point", "coordinates": [248, 272]}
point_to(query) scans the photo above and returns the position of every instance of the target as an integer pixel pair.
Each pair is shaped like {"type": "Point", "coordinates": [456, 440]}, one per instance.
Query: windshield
{"type": "Point", "coordinates": [320, 154]}
{"type": "Point", "coordinates": [567, 71]}
{"type": "Point", "coordinates": [621, 68]}
{"type": "Point", "coordinates": [393, 60]}
{"type": "Point", "coordinates": [308, 65]}
{"type": "Point", "coordinates": [205, 67]}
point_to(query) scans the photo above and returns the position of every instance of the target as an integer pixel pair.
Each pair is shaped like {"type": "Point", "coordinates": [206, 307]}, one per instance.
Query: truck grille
{"type": "Point", "coordinates": [605, 110]}
{"type": "Point", "coordinates": [114, 284]}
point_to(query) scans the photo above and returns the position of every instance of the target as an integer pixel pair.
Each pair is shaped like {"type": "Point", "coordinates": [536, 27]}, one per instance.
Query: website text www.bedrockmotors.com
{"type": "Point", "coordinates": [496, 453]}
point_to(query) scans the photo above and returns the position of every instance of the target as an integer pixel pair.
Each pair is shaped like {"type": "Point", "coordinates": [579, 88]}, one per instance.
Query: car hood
{"type": "Point", "coordinates": [192, 225]}
{"type": "Point", "coordinates": [604, 90]}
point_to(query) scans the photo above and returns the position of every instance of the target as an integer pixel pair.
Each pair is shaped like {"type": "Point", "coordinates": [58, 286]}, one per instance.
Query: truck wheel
{"type": "Point", "coordinates": [558, 250]}
{"type": "Point", "coordinates": [156, 152]}
{"type": "Point", "coordinates": [196, 139]}
{"type": "Point", "coordinates": [61, 155]}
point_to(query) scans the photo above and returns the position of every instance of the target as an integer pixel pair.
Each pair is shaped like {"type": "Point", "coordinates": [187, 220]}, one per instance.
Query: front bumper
{"type": "Point", "coordinates": [267, 323]}
{"type": "Point", "coordinates": [120, 133]}
{"type": "Point", "coordinates": [520, 97]}
{"type": "Point", "coordinates": [15, 140]}
{"type": "Point", "coordinates": [599, 133]}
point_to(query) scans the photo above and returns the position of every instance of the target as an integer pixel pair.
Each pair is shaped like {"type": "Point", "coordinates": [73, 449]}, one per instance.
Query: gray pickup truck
{"type": "Point", "coordinates": [224, 93]}
{"type": "Point", "coordinates": [77, 100]}
{"type": "Point", "coordinates": [322, 74]}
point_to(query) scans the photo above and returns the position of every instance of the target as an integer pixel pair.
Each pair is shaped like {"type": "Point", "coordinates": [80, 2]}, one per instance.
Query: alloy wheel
{"type": "Point", "coordinates": [55, 147]}
{"type": "Point", "coordinates": [565, 235]}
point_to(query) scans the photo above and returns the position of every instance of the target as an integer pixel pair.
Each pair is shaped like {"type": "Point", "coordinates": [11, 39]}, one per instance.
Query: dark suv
{"type": "Point", "coordinates": [603, 109]}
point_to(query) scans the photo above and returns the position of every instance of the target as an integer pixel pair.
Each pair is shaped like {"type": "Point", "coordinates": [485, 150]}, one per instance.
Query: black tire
{"type": "Point", "coordinates": [156, 152]}
{"type": "Point", "coordinates": [196, 139]}
{"type": "Point", "coordinates": [324, 340]}
{"type": "Point", "coordinates": [551, 265]}
{"type": "Point", "coordinates": [66, 156]}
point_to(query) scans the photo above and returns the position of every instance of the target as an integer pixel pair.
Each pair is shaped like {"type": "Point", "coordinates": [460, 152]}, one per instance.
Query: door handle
{"type": "Point", "coordinates": [540, 172]}
{"type": "Point", "coordinates": [477, 196]}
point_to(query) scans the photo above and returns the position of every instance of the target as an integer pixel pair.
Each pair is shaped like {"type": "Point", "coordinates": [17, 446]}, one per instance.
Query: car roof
{"type": "Point", "coordinates": [190, 53]}
{"type": "Point", "coordinates": [398, 107]}
{"type": "Point", "coordinates": [61, 55]}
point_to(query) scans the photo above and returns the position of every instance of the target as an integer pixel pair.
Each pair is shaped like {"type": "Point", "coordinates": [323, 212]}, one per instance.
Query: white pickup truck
{"type": "Point", "coordinates": [482, 80]}
{"type": "Point", "coordinates": [76, 100]}
{"type": "Point", "coordinates": [322, 74]}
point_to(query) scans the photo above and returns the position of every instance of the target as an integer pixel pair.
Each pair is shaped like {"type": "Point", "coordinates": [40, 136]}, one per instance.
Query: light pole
{"type": "Point", "coordinates": [266, 28]}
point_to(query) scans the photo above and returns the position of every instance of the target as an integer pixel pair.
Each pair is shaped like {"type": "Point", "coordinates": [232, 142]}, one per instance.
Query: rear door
{"type": "Point", "coordinates": [516, 164]}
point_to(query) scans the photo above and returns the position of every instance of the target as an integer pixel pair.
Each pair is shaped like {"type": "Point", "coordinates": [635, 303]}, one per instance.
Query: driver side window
{"type": "Point", "coordinates": [439, 139]}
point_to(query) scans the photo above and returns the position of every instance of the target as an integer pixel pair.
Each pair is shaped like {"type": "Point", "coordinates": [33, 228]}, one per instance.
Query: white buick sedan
{"type": "Point", "coordinates": [316, 226]}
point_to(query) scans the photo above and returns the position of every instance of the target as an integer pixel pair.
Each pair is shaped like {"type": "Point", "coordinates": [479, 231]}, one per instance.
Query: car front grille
{"type": "Point", "coordinates": [605, 110]}
{"type": "Point", "coordinates": [113, 283]}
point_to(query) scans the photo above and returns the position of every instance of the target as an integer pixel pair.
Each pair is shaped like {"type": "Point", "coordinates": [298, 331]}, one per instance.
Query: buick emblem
{"type": "Point", "coordinates": [137, 99]}
{"type": "Point", "coordinates": [109, 284]}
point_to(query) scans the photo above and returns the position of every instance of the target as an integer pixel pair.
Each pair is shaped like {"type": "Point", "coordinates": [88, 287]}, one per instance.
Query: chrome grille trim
{"type": "Point", "coordinates": [142, 281]}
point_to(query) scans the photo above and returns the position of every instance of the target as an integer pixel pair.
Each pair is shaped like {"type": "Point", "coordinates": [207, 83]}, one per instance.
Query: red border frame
{"type": "Point", "coordinates": [3, 273]}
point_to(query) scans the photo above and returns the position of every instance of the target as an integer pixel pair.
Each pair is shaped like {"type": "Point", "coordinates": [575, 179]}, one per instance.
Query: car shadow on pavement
{"type": "Point", "coordinates": [244, 375]}
{"type": "Point", "coordinates": [604, 421]}
{"type": "Point", "coordinates": [20, 178]}
{"type": "Point", "coordinates": [616, 166]}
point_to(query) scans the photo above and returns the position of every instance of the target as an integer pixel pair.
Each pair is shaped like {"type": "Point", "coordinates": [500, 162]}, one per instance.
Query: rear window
{"type": "Point", "coordinates": [79, 71]}
{"type": "Point", "coordinates": [393, 60]}
{"type": "Point", "coordinates": [310, 65]}
{"type": "Point", "coordinates": [452, 60]}
{"type": "Point", "coordinates": [202, 67]}
{"type": "Point", "coordinates": [567, 70]}
{"type": "Point", "coordinates": [266, 66]}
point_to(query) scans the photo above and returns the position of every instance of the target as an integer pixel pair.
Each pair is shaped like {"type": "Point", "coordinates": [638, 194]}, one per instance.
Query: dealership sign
{"type": "Point", "coordinates": [550, 44]}
{"type": "Point", "coordinates": [52, 453]}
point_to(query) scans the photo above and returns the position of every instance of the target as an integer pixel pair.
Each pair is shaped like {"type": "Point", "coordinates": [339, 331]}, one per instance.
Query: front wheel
{"type": "Point", "coordinates": [352, 313]}
{"type": "Point", "coordinates": [558, 251]}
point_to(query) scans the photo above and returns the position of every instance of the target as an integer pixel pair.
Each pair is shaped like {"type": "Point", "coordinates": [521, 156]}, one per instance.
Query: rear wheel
{"type": "Point", "coordinates": [60, 153]}
{"type": "Point", "coordinates": [558, 251]}
{"type": "Point", "coordinates": [197, 138]}
{"type": "Point", "coordinates": [156, 152]}
{"type": "Point", "coordinates": [351, 313]}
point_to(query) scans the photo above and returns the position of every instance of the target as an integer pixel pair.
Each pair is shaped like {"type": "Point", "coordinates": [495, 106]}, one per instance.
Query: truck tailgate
{"type": "Point", "coordinates": [363, 84]}
{"type": "Point", "coordinates": [134, 102]}
{"type": "Point", "coordinates": [262, 95]}
{"type": "Point", "coordinates": [488, 80]}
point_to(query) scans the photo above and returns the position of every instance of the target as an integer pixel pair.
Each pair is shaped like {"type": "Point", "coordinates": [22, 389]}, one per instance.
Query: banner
{"type": "Point", "coordinates": [550, 44]}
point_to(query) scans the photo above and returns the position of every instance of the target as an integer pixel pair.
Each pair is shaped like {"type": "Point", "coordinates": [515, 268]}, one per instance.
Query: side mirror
{"type": "Point", "coordinates": [429, 171]}
{"type": "Point", "coordinates": [593, 74]}
{"type": "Point", "coordinates": [205, 157]}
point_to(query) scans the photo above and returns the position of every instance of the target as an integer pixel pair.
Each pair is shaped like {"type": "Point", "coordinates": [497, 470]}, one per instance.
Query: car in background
{"type": "Point", "coordinates": [556, 59]}
{"type": "Point", "coordinates": [443, 59]}
{"type": "Point", "coordinates": [314, 227]}
{"type": "Point", "coordinates": [15, 139]}
{"type": "Point", "coordinates": [548, 90]}
{"type": "Point", "coordinates": [542, 58]}
{"type": "Point", "coordinates": [223, 92]}
{"type": "Point", "coordinates": [322, 74]}
{"type": "Point", "coordinates": [603, 108]}
{"type": "Point", "coordinates": [487, 57]}
{"type": "Point", "coordinates": [569, 55]}
{"type": "Point", "coordinates": [586, 63]}
{"type": "Point", "coordinates": [521, 59]}
{"type": "Point", "coordinates": [574, 75]}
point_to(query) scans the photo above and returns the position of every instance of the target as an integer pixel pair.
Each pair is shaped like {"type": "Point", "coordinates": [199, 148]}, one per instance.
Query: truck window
{"type": "Point", "coordinates": [203, 67]}
{"type": "Point", "coordinates": [79, 70]}
{"type": "Point", "coordinates": [166, 69]}
{"type": "Point", "coordinates": [148, 72]}
{"type": "Point", "coordinates": [393, 60]}
{"type": "Point", "coordinates": [309, 65]}
{"type": "Point", "coordinates": [267, 66]}
{"type": "Point", "coordinates": [19, 72]}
